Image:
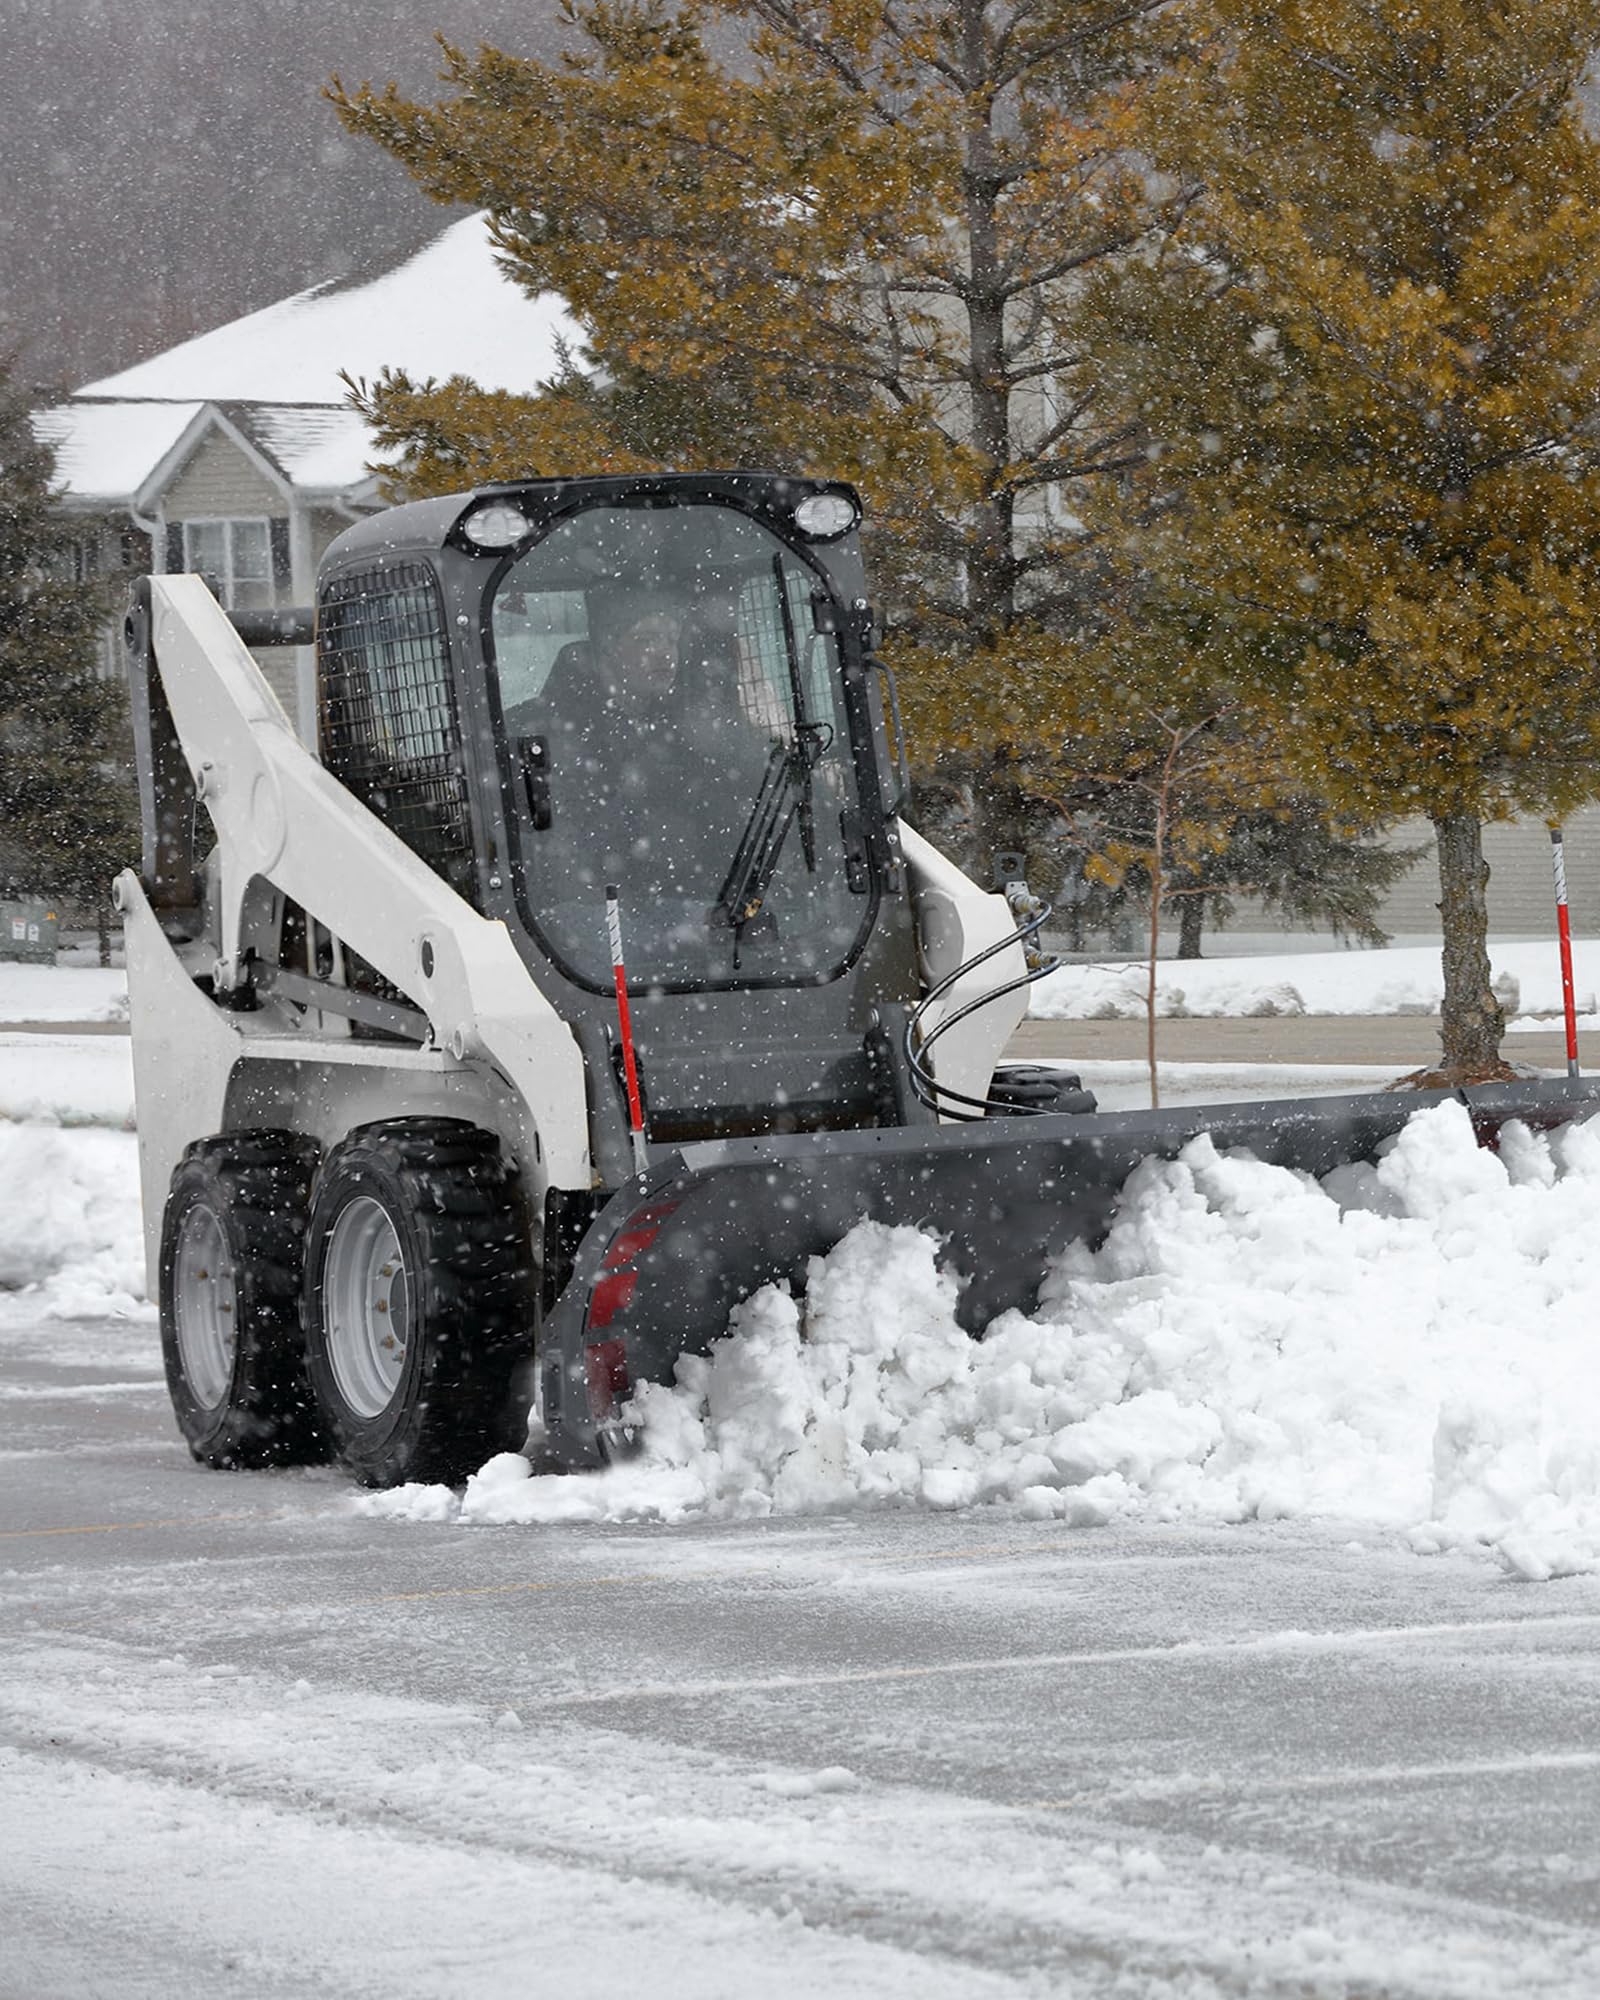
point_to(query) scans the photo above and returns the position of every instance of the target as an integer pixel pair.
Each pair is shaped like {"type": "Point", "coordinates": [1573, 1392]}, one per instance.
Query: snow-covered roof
{"type": "Point", "coordinates": [274, 376]}
{"type": "Point", "coordinates": [105, 452]}
{"type": "Point", "coordinates": [317, 449]}
{"type": "Point", "coordinates": [449, 310]}
{"type": "Point", "coordinates": [118, 455]}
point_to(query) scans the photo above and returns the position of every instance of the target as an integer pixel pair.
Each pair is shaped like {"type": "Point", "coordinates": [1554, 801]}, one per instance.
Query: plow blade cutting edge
{"type": "Point", "coordinates": [675, 1249]}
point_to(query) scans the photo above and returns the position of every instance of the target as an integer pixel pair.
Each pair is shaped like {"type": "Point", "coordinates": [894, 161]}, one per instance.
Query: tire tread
{"type": "Point", "coordinates": [259, 1185]}
{"type": "Point", "coordinates": [466, 1206]}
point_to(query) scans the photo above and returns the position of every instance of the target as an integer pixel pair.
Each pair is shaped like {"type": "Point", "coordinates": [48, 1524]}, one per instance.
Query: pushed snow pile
{"type": "Point", "coordinates": [69, 1222]}
{"type": "Point", "coordinates": [1404, 979]}
{"type": "Point", "coordinates": [1411, 1345]}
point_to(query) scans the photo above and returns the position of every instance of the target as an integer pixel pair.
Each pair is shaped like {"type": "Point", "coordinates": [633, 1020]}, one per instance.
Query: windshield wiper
{"type": "Point", "coordinates": [785, 791]}
{"type": "Point", "coordinates": [803, 725]}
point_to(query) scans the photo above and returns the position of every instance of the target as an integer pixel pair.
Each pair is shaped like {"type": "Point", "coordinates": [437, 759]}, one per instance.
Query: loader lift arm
{"type": "Point", "coordinates": [213, 732]}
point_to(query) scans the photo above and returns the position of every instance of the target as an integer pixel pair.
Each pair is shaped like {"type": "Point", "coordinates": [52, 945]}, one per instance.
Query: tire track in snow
{"type": "Point", "coordinates": [987, 1890]}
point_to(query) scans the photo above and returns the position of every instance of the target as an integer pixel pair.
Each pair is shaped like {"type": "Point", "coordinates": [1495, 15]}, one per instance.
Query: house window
{"type": "Point", "coordinates": [235, 559]}
{"type": "Point", "coordinates": [74, 560]}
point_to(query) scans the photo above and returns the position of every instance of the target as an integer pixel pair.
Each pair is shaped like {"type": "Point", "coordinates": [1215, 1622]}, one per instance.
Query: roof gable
{"type": "Point", "coordinates": [106, 452]}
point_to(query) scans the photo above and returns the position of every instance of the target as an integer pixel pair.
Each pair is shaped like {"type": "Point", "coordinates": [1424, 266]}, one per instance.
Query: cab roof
{"type": "Point", "coordinates": [419, 525]}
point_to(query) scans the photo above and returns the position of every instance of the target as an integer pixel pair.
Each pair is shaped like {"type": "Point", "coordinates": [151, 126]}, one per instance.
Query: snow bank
{"type": "Point", "coordinates": [1405, 979]}
{"type": "Point", "coordinates": [70, 1238]}
{"type": "Point", "coordinates": [67, 1079]}
{"type": "Point", "coordinates": [1125, 1085]}
{"type": "Point", "coordinates": [1410, 1345]}
{"type": "Point", "coordinates": [1545, 1024]}
{"type": "Point", "coordinates": [62, 993]}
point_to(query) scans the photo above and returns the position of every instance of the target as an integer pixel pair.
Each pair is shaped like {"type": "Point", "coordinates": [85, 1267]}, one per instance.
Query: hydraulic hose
{"type": "Point", "coordinates": [942, 1097]}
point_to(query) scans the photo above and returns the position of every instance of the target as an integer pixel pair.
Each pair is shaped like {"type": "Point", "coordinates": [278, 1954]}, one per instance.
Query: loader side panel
{"type": "Point", "coordinates": [184, 1050]}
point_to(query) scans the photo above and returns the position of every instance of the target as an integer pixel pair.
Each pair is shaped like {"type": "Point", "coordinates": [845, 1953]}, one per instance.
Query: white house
{"type": "Point", "coordinates": [236, 453]}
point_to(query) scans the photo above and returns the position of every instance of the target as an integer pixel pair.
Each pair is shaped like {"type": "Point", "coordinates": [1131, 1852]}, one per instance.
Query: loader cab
{"type": "Point", "coordinates": [673, 704]}
{"type": "Point", "coordinates": [660, 686]}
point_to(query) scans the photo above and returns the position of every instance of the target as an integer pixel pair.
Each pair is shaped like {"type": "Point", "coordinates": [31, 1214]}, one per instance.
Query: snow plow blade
{"type": "Point", "coordinates": [675, 1249]}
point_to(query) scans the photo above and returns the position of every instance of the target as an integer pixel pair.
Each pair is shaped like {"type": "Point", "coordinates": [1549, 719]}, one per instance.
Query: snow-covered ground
{"type": "Point", "coordinates": [1404, 979]}
{"type": "Point", "coordinates": [70, 1238]}
{"type": "Point", "coordinates": [62, 993]}
{"type": "Point", "coordinates": [67, 1079]}
{"type": "Point", "coordinates": [1175, 1643]}
{"type": "Point", "coordinates": [254, 1746]}
{"type": "Point", "coordinates": [1408, 1345]}
{"type": "Point", "coordinates": [249, 1747]}
{"type": "Point", "coordinates": [1125, 1085]}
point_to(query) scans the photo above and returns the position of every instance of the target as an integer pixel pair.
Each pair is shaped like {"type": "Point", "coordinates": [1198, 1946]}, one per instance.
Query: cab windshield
{"type": "Point", "coordinates": [669, 680]}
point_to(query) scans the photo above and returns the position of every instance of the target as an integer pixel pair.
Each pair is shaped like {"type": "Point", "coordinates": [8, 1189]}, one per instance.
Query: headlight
{"type": "Point", "coordinates": [496, 525]}
{"type": "Point", "coordinates": [823, 516]}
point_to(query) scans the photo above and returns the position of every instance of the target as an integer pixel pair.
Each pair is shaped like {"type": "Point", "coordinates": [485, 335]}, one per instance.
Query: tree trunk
{"type": "Point", "coordinates": [1157, 891]}
{"type": "Point", "coordinates": [102, 931]}
{"type": "Point", "coordinates": [1473, 1023]}
{"type": "Point", "coordinates": [1191, 922]}
{"type": "Point", "coordinates": [991, 582]}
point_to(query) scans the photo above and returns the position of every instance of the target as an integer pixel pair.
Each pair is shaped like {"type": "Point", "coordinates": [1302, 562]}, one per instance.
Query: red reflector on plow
{"type": "Point", "coordinates": [613, 1290]}
{"type": "Point", "coordinates": [640, 1231]}
{"type": "Point", "coordinates": [608, 1378]}
{"type": "Point", "coordinates": [612, 1294]}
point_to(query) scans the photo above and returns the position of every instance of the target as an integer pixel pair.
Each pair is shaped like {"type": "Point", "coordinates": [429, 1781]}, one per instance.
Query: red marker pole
{"type": "Point", "coordinates": [1569, 1005]}
{"type": "Point", "coordinates": [630, 1067]}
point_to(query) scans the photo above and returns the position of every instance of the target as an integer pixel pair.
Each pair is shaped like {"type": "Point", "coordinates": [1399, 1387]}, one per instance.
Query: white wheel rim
{"type": "Point", "coordinates": [205, 1306]}
{"type": "Point", "coordinates": [366, 1306]}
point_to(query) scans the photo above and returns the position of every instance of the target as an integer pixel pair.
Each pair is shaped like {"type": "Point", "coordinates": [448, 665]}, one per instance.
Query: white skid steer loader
{"type": "Point", "coordinates": [587, 980]}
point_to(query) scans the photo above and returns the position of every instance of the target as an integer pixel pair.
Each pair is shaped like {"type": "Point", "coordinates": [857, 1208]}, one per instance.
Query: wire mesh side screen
{"type": "Point", "coordinates": [391, 732]}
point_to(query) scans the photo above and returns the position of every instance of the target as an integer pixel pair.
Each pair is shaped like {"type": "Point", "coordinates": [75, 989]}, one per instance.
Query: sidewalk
{"type": "Point", "coordinates": [1409, 1041]}
{"type": "Point", "coordinates": [63, 1028]}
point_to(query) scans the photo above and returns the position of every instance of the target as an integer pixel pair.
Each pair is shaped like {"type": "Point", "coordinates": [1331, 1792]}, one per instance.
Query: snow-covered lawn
{"type": "Point", "coordinates": [1124, 1085]}
{"type": "Point", "coordinates": [62, 993]}
{"type": "Point", "coordinates": [70, 1240]}
{"type": "Point", "coordinates": [1405, 979]}
{"type": "Point", "coordinates": [67, 1079]}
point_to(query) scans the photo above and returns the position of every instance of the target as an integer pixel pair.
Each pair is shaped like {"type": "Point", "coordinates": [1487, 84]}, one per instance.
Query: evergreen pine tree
{"type": "Point", "coordinates": [1371, 357]}
{"type": "Point", "coordinates": [1297, 860]}
{"type": "Point", "coordinates": [66, 806]}
{"type": "Point", "coordinates": [854, 253]}
{"type": "Point", "coordinates": [859, 253]}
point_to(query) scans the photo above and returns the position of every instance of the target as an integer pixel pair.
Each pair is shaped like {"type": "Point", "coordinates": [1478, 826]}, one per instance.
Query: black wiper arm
{"type": "Point", "coordinates": [785, 790]}
{"type": "Point", "coordinates": [804, 727]}
{"type": "Point", "coordinates": [755, 860]}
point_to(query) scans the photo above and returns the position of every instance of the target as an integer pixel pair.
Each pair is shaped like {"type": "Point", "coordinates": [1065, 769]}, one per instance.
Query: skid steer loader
{"type": "Point", "coordinates": [586, 979]}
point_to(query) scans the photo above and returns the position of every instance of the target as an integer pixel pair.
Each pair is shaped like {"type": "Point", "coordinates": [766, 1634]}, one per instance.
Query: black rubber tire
{"type": "Point", "coordinates": [465, 1243]}
{"type": "Point", "coordinates": [256, 1187]}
